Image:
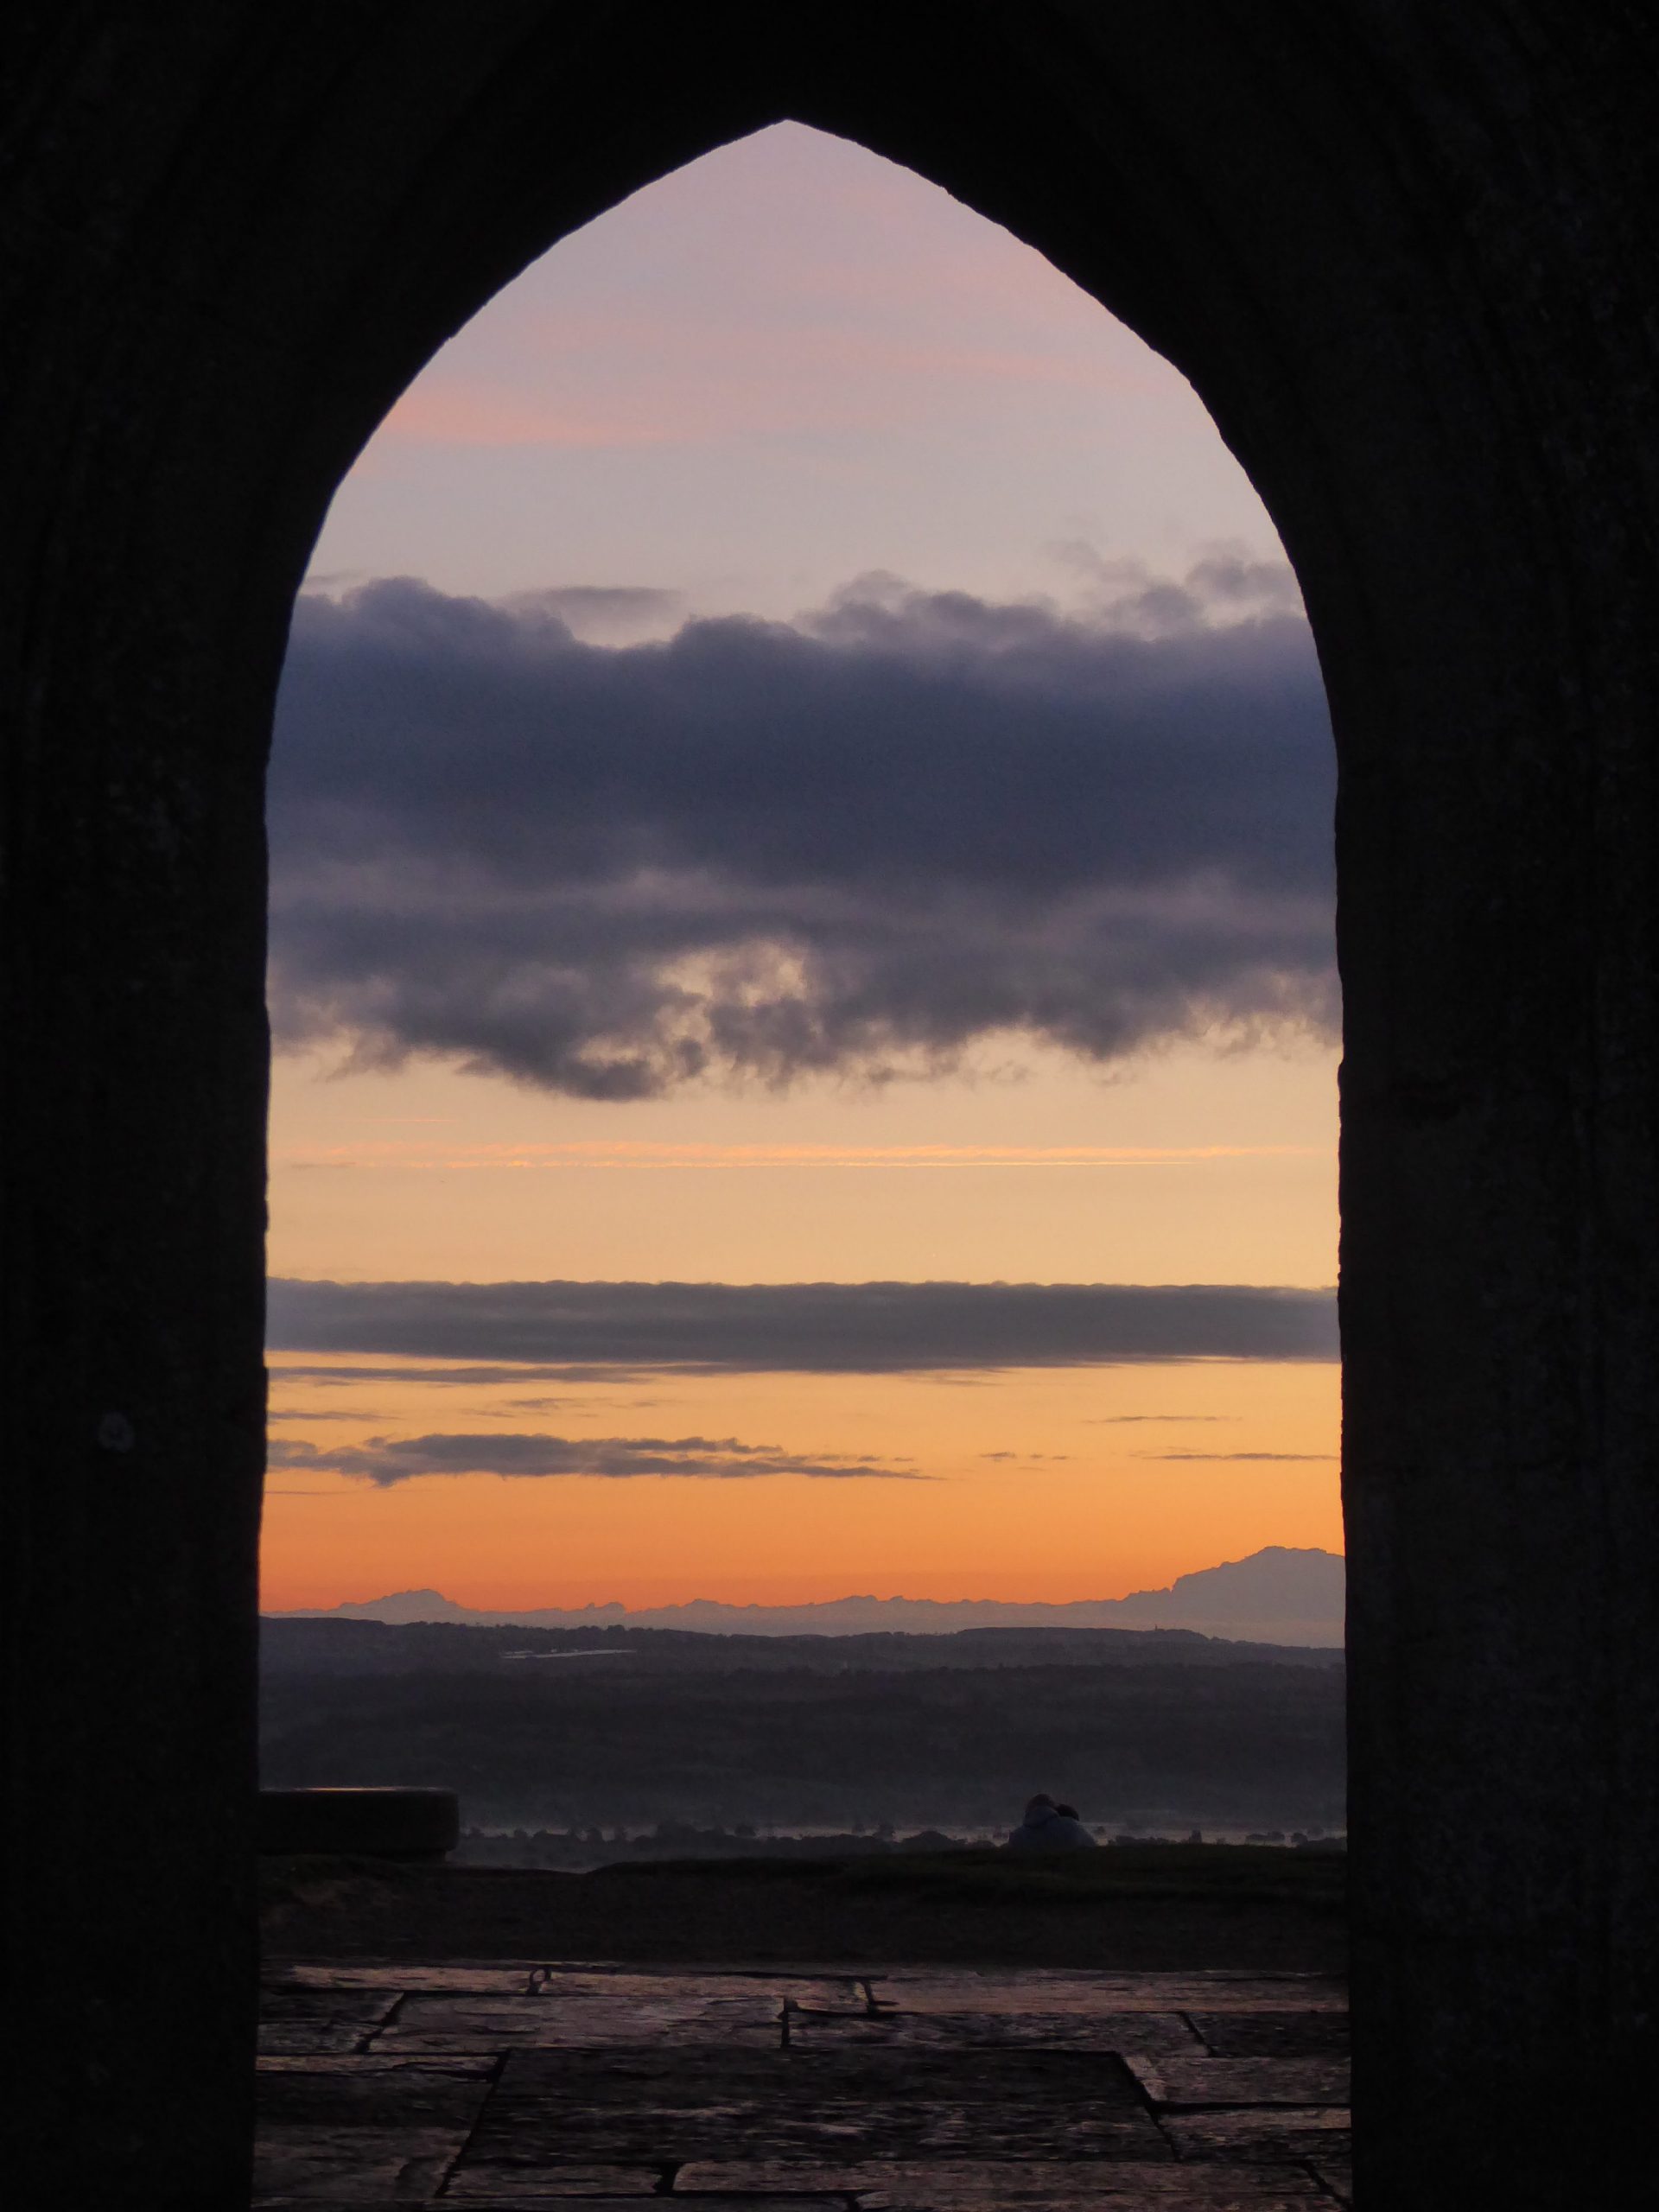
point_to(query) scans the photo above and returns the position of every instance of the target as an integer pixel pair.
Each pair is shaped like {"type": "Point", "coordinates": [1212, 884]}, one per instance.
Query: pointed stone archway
{"type": "Point", "coordinates": [1398, 251]}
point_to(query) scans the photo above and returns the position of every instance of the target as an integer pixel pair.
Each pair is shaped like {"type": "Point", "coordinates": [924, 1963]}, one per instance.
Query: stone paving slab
{"type": "Point", "coordinates": [1032, 2183]}
{"type": "Point", "coordinates": [1163, 2032]}
{"type": "Point", "coordinates": [587, 2204]}
{"type": "Point", "coordinates": [481, 1981]}
{"type": "Point", "coordinates": [1178, 2082]}
{"type": "Point", "coordinates": [1287, 2133]}
{"type": "Point", "coordinates": [1063, 1990]}
{"type": "Point", "coordinates": [299, 2023]}
{"type": "Point", "coordinates": [1273, 2035]}
{"type": "Point", "coordinates": [351, 2091]}
{"type": "Point", "coordinates": [576, 2011]}
{"type": "Point", "coordinates": [383, 2162]}
{"type": "Point", "coordinates": [914, 2089]}
{"type": "Point", "coordinates": [370, 2065]}
{"type": "Point", "coordinates": [689, 2105]}
{"type": "Point", "coordinates": [437, 2024]}
{"type": "Point", "coordinates": [615, 2183]}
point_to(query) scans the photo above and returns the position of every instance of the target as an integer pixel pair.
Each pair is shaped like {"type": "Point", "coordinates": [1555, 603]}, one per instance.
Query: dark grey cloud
{"type": "Point", "coordinates": [644, 1328]}
{"type": "Point", "coordinates": [859, 844]}
{"type": "Point", "coordinates": [387, 1459]}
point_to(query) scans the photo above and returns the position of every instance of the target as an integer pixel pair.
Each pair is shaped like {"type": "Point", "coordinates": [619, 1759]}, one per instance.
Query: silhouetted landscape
{"type": "Point", "coordinates": [611, 1743]}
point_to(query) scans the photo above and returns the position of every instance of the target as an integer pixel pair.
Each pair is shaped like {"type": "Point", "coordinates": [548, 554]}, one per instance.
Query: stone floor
{"type": "Point", "coordinates": [918, 2087]}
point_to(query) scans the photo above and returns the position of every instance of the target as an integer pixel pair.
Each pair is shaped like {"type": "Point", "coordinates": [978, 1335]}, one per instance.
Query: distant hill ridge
{"type": "Point", "coordinates": [1278, 1595]}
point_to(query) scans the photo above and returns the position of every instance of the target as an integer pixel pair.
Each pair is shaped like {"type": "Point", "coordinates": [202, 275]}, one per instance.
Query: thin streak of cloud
{"type": "Point", "coordinates": [1118, 1420]}
{"type": "Point", "coordinates": [1325, 1457]}
{"type": "Point", "coordinates": [384, 1460]}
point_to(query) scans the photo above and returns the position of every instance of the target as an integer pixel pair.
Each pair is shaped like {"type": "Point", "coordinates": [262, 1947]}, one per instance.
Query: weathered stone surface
{"type": "Point", "coordinates": [364, 2007]}
{"type": "Point", "coordinates": [386, 2068]}
{"type": "Point", "coordinates": [1074, 2030]}
{"type": "Point", "coordinates": [695, 1984]}
{"type": "Point", "coordinates": [299, 2023]}
{"type": "Point", "coordinates": [1273, 2134]}
{"type": "Point", "coordinates": [379, 2164]}
{"type": "Point", "coordinates": [555, 2028]}
{"type": "Point", "coordinates": [1273, 2035]}
{"type": "Point", "coordinates": [697, 2104]}
{"type": "Point", "coordinates": [1177, 2082]}
{"type": "Point", "coordinates": [581, 2010]}
{"type": "Point", "coordinates": [481, 1980]}
{"type": "Point", "coordinates": [958, 2186]}
{"type": "Point", "coordinates": [476, 2182]}
{"type": "Point", "coordinates": [529, 2190]}
{"type": "Point", "coordinates": [434, 2093]}
{"type": "Point", "coordinates": [1014, 1990]}
{"type": "Point", "coordinates": [954, 2111]}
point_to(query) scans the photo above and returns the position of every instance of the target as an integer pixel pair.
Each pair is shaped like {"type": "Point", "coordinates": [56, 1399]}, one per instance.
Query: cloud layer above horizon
{"type": "Point", "coordinates": [584, 1331]}
{"type": "Point", "coordinates": [384, 1460]}
{"type": "Point", "coordinates": [864, 843]}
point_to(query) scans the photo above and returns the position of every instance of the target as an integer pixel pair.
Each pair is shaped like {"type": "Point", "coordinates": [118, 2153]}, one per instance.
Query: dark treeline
{"type": "Point", "coordinates": [335, 1647]}
{"type": "Point", "coordinates": [657, 1726]}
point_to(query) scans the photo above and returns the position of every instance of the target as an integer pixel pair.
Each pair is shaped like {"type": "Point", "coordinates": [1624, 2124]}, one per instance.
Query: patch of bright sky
{"type": "Point", "coordinates": [786, 365]}
{"type": "Point", "coordinates": [1085, 1503]}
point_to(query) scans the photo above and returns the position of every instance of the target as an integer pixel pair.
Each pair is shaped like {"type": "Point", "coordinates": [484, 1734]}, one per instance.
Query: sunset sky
{"type": "Point", "coordinates": [800, 764]}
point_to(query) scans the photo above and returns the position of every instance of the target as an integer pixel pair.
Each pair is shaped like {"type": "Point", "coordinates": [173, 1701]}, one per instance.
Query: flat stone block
{"type": "Point", "coordinates": [816, 1993]}
{"type": "Point", "coordinates": [367, 2006]}
{"type": "Point", "coordinates": [370, 2065]}
{"type": "Point", "coordinates": [1083, 2030]}
{"type": "Point", "coordinates": [735, 2105]}
{"type": "Point", "coordinates": [1064, 1990]}
{"type": "Point", "coordinates": [376, 2166]}
{"type": "Point", "coordinates": [311, 2038]}
{"type": "Point", "coordinates": [505, 1980]}
{"type": "Point", "coordinates": [827, 1988]}
{"type": "Point", "coordinates": [296, 2023]}
{"type": "Point", "coordinates": [582, 2019]}
{"type": "Point", "coordinates": [957, 2186]}
{"type": "Point", "coordinates": [1177, 2082]}
{"type": "Point", "coordinates": [476, 2183]}
{"type": "Point", "coordinates": [1273, 2035]}
{"type": "Point", "coordinates": [438, 2093]}
{"type": "Point", "coordinates": [1273, 2134]}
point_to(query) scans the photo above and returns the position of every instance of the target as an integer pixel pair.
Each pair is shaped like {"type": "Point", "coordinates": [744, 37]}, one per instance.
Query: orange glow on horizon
{"type": "Point", "coordinates": [1137, 1475]}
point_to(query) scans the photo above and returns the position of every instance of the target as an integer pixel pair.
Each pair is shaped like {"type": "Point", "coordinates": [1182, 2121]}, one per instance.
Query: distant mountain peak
{"type": "Point", "coordinates": [1280, 1594]}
